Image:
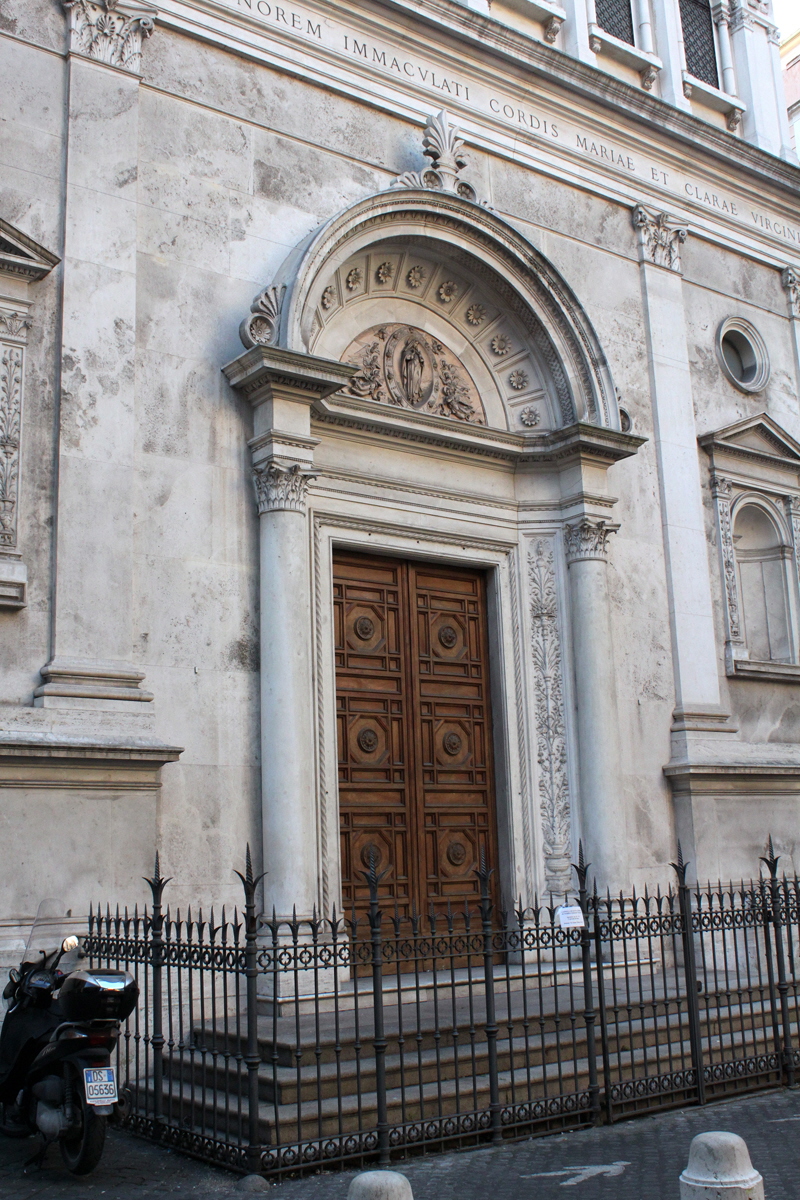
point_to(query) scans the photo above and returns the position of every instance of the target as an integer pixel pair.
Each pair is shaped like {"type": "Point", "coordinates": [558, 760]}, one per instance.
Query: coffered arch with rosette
{"type": "Point", "coordinates": [444, 308]}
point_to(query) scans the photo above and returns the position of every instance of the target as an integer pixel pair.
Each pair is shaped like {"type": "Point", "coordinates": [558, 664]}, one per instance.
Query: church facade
{"type": "Point", "coordinates": [400, 448]}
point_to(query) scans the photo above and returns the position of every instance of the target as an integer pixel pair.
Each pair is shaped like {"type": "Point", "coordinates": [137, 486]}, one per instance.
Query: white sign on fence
{"type": "Point", "coordinates": [570, 917]}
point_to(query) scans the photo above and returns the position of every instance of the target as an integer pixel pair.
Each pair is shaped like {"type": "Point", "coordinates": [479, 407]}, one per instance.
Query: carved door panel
{"type": "Point", "coordinates": [455, 817]}
{"type": "Point", "coordinates": [414, 733]}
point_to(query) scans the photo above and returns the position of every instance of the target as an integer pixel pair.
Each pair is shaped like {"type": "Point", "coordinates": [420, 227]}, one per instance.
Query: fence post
{"type": "Point", "coordinates": [379, 1041]}
{"type": "Point", "coordinates": [253, 1057]}
{"type": "Point", "coordinates": [690, 974]}
{"type": "Point", "coordinates": [589, 1012]}
{"type": "Point", "coordinates": [786, 1053]}
{"type": "Point", "coordinates": [601, 999]}
{"type": "Point", "coordinates": [484, 875]}
{"type": "Point", "coordinates": [157, 885]}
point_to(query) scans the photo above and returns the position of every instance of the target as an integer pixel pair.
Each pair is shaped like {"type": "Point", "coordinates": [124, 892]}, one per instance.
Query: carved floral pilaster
{"type": "Point", "coordinates": [551, 737]}
{"type": "Point", "coordinates": [109, 31]}
{"type": "Point", "coordinates": [587, 539]}
{"type": "Point", "coordinates": [722, 491]}
{"type": "Point", "coordinates": [792, 504]}
{"type": "Point", "coordinates": [281, 488]}
{"type": "Point", "coordinates": [660, 238]}
{"type": "Point", "coordinates": [14, 327]}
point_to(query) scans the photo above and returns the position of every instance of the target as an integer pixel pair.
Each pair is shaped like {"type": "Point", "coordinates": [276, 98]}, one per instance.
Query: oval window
{"type": "Point", "coordinates": [743, 354]}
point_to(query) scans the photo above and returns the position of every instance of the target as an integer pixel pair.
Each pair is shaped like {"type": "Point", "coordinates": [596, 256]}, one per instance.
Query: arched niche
{"type": "Point", "coordinates": [457, 275]}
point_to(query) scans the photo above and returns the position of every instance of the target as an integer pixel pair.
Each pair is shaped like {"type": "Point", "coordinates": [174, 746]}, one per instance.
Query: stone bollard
{"type": "Point", "coordinates": [720, 1169]}
{"type": "Point", "coordinates": [380, 1185]}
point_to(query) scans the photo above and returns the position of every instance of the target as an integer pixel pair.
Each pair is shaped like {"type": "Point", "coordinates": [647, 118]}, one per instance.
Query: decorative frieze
{"type": "Point", "coordinates": [660, 238]}
{"type": "Point", "coordinates": [281, 488]}
{"type": "Point", "coordinates": [443, 145]}
{"type": "Point", "coordinates": [109, 31]}
{"type": "Point", "coordinates": [722, 491]}
{"type": "Point", "coordinates": [790, 278]}
{"type": "Point", "coordinates": [587, 539]}
{"type": "Point", "coordinates": [551, 736]}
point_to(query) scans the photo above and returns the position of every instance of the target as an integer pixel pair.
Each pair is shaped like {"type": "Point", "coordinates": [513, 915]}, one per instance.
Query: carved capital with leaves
{"type": "Point", "coordinates": [587, 539]}
{"type": "Point", "coordinates": [660, 237]}
{"type": "Point", "coordinates": [281, 487]}
{"type": "Point", "coordinates": [790, 278]}
{"type": "Point", "coordinates": [110, 31]}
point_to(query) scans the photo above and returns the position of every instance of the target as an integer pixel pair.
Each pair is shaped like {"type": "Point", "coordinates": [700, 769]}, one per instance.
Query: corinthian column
{"type": "Point", "coordinates": [602, 811]}
{"type": "Point", "coordinates": [282, 386]}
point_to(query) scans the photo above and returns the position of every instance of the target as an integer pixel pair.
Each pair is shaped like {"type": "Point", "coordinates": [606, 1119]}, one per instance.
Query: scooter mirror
{"type": "Point", "coordinates": [69, 943]}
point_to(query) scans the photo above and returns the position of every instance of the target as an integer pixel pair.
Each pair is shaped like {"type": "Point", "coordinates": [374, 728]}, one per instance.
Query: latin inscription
{"type": "Point", "coordinates": [390, 61]}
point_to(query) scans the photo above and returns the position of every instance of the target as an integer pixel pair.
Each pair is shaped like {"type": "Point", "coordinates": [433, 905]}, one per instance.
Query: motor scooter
{"type": "Point", "coordinates": [59, 1032]}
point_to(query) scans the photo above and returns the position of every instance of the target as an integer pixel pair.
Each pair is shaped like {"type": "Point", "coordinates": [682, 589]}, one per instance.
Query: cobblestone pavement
{"type": "Point", "coordinates": [640, 1159]}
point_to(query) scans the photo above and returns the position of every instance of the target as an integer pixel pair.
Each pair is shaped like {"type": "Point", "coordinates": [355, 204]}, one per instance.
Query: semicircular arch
{"type": "Point", "coordinates": [434, 262]}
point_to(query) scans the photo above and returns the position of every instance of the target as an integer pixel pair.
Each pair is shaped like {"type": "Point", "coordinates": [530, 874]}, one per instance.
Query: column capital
{"type": "Point", "coordinates": [790, 278]}
{"type": "Point", "coordinates": [267, 372]}
{"type": "Point", "coordinates": [660, 237]}
{"type": "Point", "coordinates": [110, 31]}
{"type": "Point", "coordinates": [281, 487]}
{"type": "Point", "coordinates": [587, 538]}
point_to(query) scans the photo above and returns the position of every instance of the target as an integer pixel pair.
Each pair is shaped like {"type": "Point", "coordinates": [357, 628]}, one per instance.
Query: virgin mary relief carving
{"type": "Point", "coordinates": [403, 366]}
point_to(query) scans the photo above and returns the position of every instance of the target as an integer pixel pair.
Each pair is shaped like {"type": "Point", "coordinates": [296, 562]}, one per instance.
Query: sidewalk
{"type": "Point", "coordinates": [639, 1159]}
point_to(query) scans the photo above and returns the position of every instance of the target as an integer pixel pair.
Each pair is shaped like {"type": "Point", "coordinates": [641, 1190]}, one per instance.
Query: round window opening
{"type": "Point", "coordinates": [743, 354]}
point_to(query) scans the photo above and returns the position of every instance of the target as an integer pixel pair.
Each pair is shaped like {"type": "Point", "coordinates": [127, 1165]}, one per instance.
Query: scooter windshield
{"type": "Point", "coordinates": [54, 922]}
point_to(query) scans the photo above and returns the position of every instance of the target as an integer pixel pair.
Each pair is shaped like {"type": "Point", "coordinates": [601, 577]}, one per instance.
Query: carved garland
{"type": "Point", "coordinates": [551, 745]}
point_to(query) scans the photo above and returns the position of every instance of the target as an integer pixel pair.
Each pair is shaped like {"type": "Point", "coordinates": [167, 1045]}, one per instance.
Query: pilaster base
{"type": "Point", "coordinates": [103, 686]}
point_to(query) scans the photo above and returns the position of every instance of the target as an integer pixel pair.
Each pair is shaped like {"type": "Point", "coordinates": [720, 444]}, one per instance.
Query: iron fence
{"type": "Point", "coordinates": [278, 1046]}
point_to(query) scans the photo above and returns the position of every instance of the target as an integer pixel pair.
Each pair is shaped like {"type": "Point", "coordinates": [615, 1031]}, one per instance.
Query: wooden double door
{"type": "Point", "coordinates": [416, 786]}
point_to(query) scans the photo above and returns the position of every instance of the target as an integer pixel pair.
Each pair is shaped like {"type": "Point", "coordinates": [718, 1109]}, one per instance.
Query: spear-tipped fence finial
{"type": "Point", "coordinates": [680, 867]}
{"type": "Point", "coordinates": [157, 883]}
{"type": "Point", "coordinates": [249, 881]}
{"type": "Point", "coordinates": [770, 858]}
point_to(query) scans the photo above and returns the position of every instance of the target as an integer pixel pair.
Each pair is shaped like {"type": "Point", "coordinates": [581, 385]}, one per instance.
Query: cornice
{"type": "Point", "coordinates": [596, 86]}
{"type": "Point", "coordinates": [589, 443]}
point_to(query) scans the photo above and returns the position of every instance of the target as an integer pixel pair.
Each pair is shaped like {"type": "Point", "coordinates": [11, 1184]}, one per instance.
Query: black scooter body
{"type": "Point", "coordinates": [58, 1026]}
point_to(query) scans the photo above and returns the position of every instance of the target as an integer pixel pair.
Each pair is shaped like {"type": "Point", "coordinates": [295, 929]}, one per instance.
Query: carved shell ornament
{"type": "Point", "coordinates": [403, 366]}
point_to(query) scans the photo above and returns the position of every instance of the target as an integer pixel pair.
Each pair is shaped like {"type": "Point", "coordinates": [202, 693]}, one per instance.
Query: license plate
{"type": "Point", "coordinates": [100, 1084]}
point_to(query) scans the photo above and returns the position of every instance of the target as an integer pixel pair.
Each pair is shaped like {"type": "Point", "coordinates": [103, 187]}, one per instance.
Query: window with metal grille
{"type": "Point", "coordinates": [615, 17]}
{"type": "Point", "coordinates": [698, 40]}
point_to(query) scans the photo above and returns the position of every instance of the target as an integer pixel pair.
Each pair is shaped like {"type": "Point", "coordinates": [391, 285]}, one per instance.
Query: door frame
{"type": "Point", "coordinates": [517, 830]}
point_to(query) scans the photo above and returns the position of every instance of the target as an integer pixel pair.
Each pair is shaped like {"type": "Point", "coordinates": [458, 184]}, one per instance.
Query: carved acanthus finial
{"type": "Point", "coordinates": [661, 238]}
{"type": "Point", "coordinates": [790, 278]}
{"type": "Point", "coordinates": [110, 31]}
{"type": "Point", "coordinates": [444, 146]}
